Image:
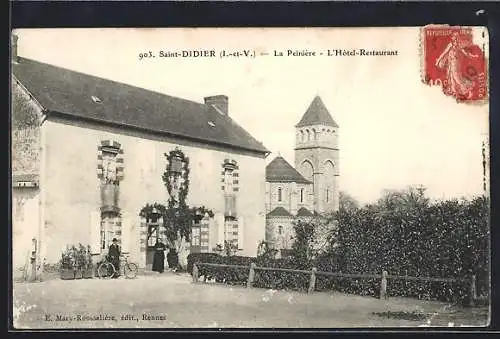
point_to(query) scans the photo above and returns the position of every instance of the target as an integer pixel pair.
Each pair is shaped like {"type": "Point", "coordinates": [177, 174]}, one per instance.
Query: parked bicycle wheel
{"type": "Point", "coordinates": [130, 270]}
{"type": "Point", "coordinates": [106, 270]}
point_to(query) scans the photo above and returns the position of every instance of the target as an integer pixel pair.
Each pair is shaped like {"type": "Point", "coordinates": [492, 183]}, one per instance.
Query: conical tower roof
{"type": "Point", "coordinates": [317, 114]}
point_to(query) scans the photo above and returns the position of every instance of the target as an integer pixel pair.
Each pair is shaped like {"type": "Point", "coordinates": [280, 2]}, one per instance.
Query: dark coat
{"type": "Point", "coordinates": [114, 257]}
{"type": "Point", "coordinates": [159, 258]}
{"type": "Point", "coordinates": [173, 259]}
{"type": "Point", "coordinates": [114, 251]}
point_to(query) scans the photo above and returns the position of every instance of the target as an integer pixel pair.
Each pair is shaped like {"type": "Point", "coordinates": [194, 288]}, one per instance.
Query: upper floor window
{"type": "Point", "coordinates": [228, 179]}
{"type": "Point", "coordinates": [327, 195]}
{"type": "Point", "coordinates": [301, 195]}
{"type": "Point", "coordinates": [280, 230]}
{"type": "Point", "coordinates": [109, 166]}
{"type": "Point", "coordinates": [110, 162]}
{"type": "Point", "coordinates": [230, 185]}
{"type": "Point", "coordinates": [280, 194]}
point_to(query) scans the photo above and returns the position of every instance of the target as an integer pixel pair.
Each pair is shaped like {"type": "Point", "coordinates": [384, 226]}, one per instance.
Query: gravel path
{"type": "Point", "coordinates": [172, 301]}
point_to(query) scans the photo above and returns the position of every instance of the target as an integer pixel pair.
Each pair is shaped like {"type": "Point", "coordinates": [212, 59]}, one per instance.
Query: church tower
{"type": "Point", "coordinates": [317, 155]}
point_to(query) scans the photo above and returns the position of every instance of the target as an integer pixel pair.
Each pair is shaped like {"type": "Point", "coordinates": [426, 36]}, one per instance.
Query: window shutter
{"type": "Point", "coordinates": [126, 233]}
{"type": "Point", "coordinates": [241, 233]}
{"type": "Point", "coordinates": [95, 232]}
{"type": "Point", "coordinates": [221, 229]}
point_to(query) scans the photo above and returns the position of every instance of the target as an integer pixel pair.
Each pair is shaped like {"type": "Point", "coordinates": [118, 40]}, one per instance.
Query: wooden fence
{"type": "Point", "coordinates": [384, 277]}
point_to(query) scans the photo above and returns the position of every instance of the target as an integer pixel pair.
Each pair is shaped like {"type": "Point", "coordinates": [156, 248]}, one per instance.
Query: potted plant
{"type": "Point", "coordinates": [77, 253]}
{"type": "Point", "coordinates": [88, 272]}
{"type": "Point", "coordinates": [67, 264]}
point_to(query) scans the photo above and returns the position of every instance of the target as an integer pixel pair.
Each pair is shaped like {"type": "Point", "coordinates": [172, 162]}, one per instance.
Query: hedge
{"type": "Point", "coordinates": [444, 291]}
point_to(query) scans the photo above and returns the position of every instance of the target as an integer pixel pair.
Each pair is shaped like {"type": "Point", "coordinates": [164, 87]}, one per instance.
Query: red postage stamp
{"type": "Point", "coordinates": [453, 61]}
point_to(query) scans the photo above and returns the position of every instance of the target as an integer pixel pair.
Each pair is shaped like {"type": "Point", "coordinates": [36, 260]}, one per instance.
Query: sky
{"type": "Point", "coordinates": [394, 130]}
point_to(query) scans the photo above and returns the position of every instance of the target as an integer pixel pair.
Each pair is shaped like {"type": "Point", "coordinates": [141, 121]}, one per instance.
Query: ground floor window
{"type": "Point", "coordinates": [196, 235]}
{"type": "Point", "coordinates": [108, 227]}
{"type": "Point", "coordinates": [153, 234]}
{"type": "Point", "coordinates": [231, 231]}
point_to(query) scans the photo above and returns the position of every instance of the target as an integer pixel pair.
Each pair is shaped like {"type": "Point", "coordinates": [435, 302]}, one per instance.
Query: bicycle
{"type": "Point", "coordinates": [107, 270]}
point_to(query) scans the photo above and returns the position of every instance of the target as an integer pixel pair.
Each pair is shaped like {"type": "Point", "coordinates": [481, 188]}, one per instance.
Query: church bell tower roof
{"type": "Point", "coordinates": [279, 170]}
{"type": "Point", "coordinates": [317, 114]}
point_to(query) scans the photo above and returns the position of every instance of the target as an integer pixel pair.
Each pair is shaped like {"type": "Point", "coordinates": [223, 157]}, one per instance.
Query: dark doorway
{"type": "Point", "coordinates": [152, 237]}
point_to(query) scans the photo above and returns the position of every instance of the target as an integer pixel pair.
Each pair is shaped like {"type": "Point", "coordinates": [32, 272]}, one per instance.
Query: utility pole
{"type": "Point", "coordinates": [485, 162]}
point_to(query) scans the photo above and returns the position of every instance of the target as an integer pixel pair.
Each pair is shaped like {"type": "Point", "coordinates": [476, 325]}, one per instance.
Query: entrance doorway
{"type": "Point", "coordinates": [153, 236]}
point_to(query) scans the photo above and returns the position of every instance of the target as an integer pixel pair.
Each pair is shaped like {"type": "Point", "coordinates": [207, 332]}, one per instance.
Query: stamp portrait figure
{"type": "Point", "coordinates": [450, 60]}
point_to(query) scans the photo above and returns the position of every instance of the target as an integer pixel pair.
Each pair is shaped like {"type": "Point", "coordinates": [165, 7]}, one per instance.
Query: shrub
{"type": "Point", "coordinates": [406, 234]}
{"type": "Point", "coordinates": [199, 257]}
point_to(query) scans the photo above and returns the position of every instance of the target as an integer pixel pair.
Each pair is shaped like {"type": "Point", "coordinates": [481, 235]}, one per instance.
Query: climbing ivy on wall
{"type": "Point", "coordinates": [184, 187]}
{"type": "Point", "coordinates": [177, 216]}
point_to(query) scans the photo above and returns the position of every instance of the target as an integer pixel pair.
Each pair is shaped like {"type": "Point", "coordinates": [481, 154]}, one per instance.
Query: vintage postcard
{"type": "Point", "coordinates": [250, 178]}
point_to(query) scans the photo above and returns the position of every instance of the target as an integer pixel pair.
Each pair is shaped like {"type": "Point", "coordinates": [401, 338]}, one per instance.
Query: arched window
{"type": "Point", "coordinates": [308, 135]}
{"type": "Point", "coordinates": [301, 195]}
{"type": "Point", "coordinates": [280, 230]}
{"type": "Point", "coordinates": [302, 135]}
{"type": "Point", "coordinates": [314, 134]}
{"type": "Point", "coordinates": [327, 195]}
{"type": "Point", "coordinates": [280, 197]}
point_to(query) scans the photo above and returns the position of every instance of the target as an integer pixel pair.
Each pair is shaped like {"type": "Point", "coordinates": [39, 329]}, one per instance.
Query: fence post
{"type": "Point", "coordinates": [312, 282]}
{"type": "Point", "coordinates": [473, 292]}
{"type": "Point", "coordinates": [196, 273]}
{"type": "Point", "coordinates": [251, 275]}
{"type": "Point", "coordinates": [383, 286]}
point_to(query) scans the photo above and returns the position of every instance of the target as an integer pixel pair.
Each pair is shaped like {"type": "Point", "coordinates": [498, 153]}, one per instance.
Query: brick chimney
{"type": "Point", "coordinates": [14, 48]}
{"type": "Point", "coordinates": [219, 101]}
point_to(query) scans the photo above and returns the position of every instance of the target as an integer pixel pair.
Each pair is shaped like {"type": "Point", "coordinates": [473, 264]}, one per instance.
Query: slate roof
{"type": "Point", "coordinates": [279, 170]}
{"type": "Point", "coordinates": [69, 93]}
{"type": "Point", "coordinates": [279, 212]}
{"type": "Point", "coordinates": [317, 114]}
{"type": "Point", "coordinates": [304, 212]}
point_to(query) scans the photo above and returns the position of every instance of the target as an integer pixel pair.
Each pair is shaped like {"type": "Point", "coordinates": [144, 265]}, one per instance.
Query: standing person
{"type": "Point", "coordinates": [159, 257]}
{"type": "Point", "coordinates": [172, 259]}
{"type": "Point", "coordinates": [114, 256]}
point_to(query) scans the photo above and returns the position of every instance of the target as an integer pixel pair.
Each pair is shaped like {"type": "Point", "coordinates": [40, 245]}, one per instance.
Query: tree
{"type": "Point", "coordinates": [409, 197]}
{"type": "Point", "coordinates": [302, 247]}
{"type": "Point", "coordinates": [347, 202]}
{"type": "Point", "coordinates": [265, 251]}
{"type": "Point", "coordinates": [177, 217]}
